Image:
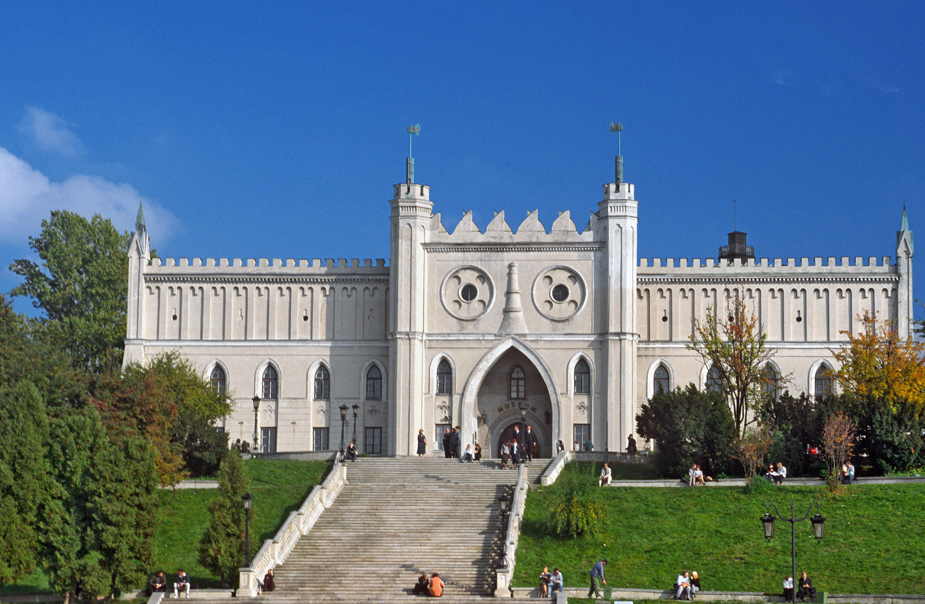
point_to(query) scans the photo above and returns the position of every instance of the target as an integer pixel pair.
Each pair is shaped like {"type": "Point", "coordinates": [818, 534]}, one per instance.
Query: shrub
{"type": "Point", "coordinates": [574, 507]}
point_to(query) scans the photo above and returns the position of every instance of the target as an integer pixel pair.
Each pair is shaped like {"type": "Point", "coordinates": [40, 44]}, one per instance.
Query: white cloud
{"type": "Point", "coordinates": [50, 132]}
{"type": "Point", "coordinates": [27, 197]}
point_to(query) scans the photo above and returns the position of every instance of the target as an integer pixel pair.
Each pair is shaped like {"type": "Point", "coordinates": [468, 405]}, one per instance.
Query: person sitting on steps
{"type": "Point", "coordinates": [351, 451]}
{"type": "Point", "coordinates": [436, 586]}
{"type": "Point", "coordinates": [158, 582]}
{"type": "Point", "coordinates": [182, 582]}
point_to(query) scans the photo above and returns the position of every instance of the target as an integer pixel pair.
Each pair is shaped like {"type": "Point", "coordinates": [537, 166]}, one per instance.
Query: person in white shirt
{"type": "Point", "coordinates": [684, 586]}
{"type": "Point", "coordinates": [605, 476]}
{"type": "Point", "coordinates": [788, 589]}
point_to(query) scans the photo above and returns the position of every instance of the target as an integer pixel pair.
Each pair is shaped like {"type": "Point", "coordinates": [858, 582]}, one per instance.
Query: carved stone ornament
{"type": "Point", "coordinates": [582, 408]}
{"type": "Point", "coordinates": [322, 410]}
{"type": "Point", "coordinates": [372, 411]}
{"type": "Point", "coordinates": [559, 293]}
{"type": "Point", "coordinates": [467, 293]}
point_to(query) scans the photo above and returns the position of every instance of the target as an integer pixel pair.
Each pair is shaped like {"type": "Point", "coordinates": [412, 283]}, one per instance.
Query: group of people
{"type": "Point", "coordinates": [519, 448]}
{"type": "Point", "coordinates": [695, 477]}
{"type": "Point", "coordinates": [452, 446]}
{"type": "Point", "coordinates": [686, 585]}
{"type": "Point", "coordinates": [429, 586]}
{"type": "Point", "coordinates": [241, 445]}
{"type": "Point", "coordinates": [847, 473]}
{"type": "Point", "coordinates": [805, 588]}
{"type": "Point", "coordinates": [776, 474]}
{"type": "Point", "coordinates": [158, 582]}
{"type": "Point", "coordinates": [550, 581]}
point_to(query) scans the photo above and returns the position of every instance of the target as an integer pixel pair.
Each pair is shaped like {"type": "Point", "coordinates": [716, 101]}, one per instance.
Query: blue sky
{"type": "Point", "coordinates": [256, 129]}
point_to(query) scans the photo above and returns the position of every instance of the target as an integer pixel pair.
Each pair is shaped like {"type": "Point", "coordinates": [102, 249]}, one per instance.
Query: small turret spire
{"type": "Point", "coordinates": [409, 171]}
{"type": "Point", "coordinates": [140, 219]}
{"type": "Point", "coordinates": [904, 234]}
{"type": "Point", "coordinates": [618, 128]}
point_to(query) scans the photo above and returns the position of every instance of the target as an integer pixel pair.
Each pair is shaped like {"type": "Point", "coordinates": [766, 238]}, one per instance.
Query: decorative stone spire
{"type": "Point", "coordinates": [904, 233]}
{"type": "Point", "coordinates": [513, 317]}
{"type": "Point", "coordinates": [409, 168]}
{"type": "Point", "coordinates": [618, 176]}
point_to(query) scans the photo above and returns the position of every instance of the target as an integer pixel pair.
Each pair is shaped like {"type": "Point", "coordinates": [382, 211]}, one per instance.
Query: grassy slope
{"type": "Point", "coordinates": [873, 541]}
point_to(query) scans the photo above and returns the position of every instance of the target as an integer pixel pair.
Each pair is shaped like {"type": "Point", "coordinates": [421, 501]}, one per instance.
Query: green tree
{"type": "Point", "coordinates": [222, 548]}
{"type": "Point", "coordinates": [102, 517]}
{"type": "Point", "coordinates": [795, 424]}
{"type": "Point", "coordinates": [81, 286]}
{"type": "Point", "coordinates": [733, 344]}
{"type": "Point", "coordinates": [24, 480]}
{"type": "Point", "coordinates": [688, 426]}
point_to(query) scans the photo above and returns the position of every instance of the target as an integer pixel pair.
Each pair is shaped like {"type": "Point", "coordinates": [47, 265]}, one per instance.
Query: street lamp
{"type": "Point", "coordinates": [248, 500]}
{"type": "Point", "coordinates": [356, 410]}
{"type": "Point", "coordinates": [343, 428]}
{"type": "Point", "coordinates": [504, 505]}
{"type": "Point", "coordinates": [256, 410]}
{"type": "Point", "coordinates": [767, 522]}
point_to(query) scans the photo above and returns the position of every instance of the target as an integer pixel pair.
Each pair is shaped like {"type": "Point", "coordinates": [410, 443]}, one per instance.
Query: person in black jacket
{"type": "Point", "coordinates": [805, 588]}
{"type": "Point", "coordinates": [529, 443]}
{"type": "Point", "coordinates": [447, 443]}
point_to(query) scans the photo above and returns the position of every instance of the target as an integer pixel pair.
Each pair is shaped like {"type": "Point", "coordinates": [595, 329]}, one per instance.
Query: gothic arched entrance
{"type": "Point", "coordinates": [513, 393]}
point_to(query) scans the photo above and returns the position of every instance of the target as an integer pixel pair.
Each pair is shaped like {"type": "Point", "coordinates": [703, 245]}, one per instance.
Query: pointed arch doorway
{"type": "Point", "coordinates": [513, 393]}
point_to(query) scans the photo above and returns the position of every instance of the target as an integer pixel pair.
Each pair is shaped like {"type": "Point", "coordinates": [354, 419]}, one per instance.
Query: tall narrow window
{"type": "Point", "coordinates": [373, 442]}
{"type": "Point", "coordinates": [268, 440]}
{"type": "Point", "coordinates": [218, 380]}
{"type": "Point", "coordinates": [322, 384]}
{"type": "Point", "coordinates": [823, 382]}
{"type": "Point", "coordinates": [270, 383]}
{"type": "Point", "coordinates": [373, 384]}
{"type": "Point", "coordinates": [662, 382]}
{"type": "Point", "coordinates": [582, 434]}
{"type": "Point", "coordinates": [714, 380]}
{"type": "Point", "coordinates": [518, 383]}
{"type": "Point", "coordinates": [444, 378]}
{"type": "Point", "coordinates": [771, 382]}
{"type": "Point", "coordinates": [320, 439]}
{"type": "Point", "coordinates": [582, 377]}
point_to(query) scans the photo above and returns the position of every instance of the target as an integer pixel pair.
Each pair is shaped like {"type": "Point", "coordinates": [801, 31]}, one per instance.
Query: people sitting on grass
{"type": "Point", "coordinates": [847, 473]}
{"type": "Point", "coordinates": [436, 586]}
{"type": "Point", "coordinates": [158, 582]}
{"type": "Point", "coordinates": [805, 588]}
{"type": "Point", "coordinates": [606, 476]}
{"type": "Point", "coordinates": [182, 582]}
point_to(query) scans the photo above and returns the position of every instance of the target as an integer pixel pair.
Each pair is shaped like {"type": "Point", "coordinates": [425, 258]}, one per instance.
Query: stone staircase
{"type": "Point", "coordinates": [396, 519]}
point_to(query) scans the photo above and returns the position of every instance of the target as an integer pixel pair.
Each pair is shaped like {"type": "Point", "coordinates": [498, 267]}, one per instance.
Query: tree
{"type": "Point", "coordinates": [222, 548]}
{"type": "Point", "coordinates": [837, 443]}
{"type": "Point", "coordinates": [689, 426]}
{"type": "Point", "coordinates": [884, 382]}
{"type": "Point", "coordinates": [736, 347]}
{"type": "Point", "coordinates": [24, 480]}
{"type": "Point", "coordinates": [103, 511]}
{"type": "Point", "coordinates": [752, 451]}
{"type": "Point", "coordinates": [795, 425]}
{"type": "Point", "coordinates": [81, 285]}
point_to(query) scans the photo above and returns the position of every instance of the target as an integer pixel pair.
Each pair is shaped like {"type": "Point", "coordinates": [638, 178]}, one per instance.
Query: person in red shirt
{"type": "Point", "coordinates": [436, 585]}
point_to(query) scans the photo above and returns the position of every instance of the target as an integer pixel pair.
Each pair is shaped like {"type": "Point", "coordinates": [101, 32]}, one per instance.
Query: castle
{"type": "Point", "coordinates": [565, 329]}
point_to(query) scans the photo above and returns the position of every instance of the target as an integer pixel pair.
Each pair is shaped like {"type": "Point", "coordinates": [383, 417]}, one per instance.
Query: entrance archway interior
{"type": "Point", "coordinates": [506, 396]}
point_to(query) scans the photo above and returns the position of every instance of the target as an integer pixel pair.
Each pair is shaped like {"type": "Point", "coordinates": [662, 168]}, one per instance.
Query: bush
{"type": "Point", "coordinates": [689, 427]}
{"type": "Point", "coordinates": [574, 506]}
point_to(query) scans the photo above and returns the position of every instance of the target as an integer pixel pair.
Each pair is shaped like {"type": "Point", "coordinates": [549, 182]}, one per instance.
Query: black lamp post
{"type": "Point", "coordinates": [248, 500]}
{"type": "Point", "coordinates": [767, 522]}
{"type": "Point", "coordinates": [343, 428]}
{"type": "Point", "coordinates": [356, 411]}
{"type": "Point", "coordinates": [504, 505]}
{"type": "Point", "coordinates": [256, 411]}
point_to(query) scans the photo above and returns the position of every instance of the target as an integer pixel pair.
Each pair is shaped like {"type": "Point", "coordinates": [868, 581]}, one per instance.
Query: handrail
{"type": "Point", "coordinates": [275, 551]}
{"type": "Point", "coordinates": [555, 468]}
{"type": "Point", "coordinates": [505, 573]}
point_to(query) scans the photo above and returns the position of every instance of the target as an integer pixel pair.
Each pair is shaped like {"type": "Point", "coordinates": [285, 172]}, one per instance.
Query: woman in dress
{"type": "Point", "coordinates": [422, 443]}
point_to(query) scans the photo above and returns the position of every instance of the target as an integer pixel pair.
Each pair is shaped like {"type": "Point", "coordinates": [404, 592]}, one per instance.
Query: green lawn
{"type": "Point", "coordinates": [278, 487]}
{"type": "Point", "coordinates": [873, 541]}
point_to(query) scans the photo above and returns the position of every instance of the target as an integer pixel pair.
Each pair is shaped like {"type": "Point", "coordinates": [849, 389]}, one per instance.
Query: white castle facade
{"type": "Point", "coordinates": [566, 329]}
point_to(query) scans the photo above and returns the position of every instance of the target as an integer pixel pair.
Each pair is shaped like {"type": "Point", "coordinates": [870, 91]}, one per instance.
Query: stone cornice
{"type": "Point", "coordinates": [255, 280]}
{"type": "Point", "coordinates": [448, 247]}
{"type": "Point", "coordinates": [708, 279]}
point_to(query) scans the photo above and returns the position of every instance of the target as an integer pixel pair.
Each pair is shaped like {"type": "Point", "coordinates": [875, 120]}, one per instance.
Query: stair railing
{"type": "Point", "coordinates": [555, 468]}
{"type": "Point", "coordinates": [275, 551]}
{"type": "Point", "coordinates": [505, 573]}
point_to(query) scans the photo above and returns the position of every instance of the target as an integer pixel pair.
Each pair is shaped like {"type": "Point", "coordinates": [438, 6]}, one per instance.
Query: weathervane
{"type": "Point", "coordinates": [409, 176]}
{"type": "Point", "coordinates": [618, 128]}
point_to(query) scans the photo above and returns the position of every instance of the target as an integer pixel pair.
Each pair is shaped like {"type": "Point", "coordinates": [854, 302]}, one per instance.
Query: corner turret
{"type": "Point", "coordinates": [904, 253]}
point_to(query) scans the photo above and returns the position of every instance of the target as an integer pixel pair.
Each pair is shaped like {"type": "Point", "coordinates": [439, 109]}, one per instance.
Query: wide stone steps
{"type": "Point", "coordinates": [395, 519]}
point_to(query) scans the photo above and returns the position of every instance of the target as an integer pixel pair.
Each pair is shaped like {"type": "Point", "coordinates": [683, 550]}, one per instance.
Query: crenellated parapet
{"type": "Point", "coordinates": [530, 231]}
{"type": "Point", "coordinates": [266, 266]}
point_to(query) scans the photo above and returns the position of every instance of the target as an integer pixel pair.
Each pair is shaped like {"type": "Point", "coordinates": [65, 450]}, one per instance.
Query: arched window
{"type": "Point", "coordinates": [518, 383]}
{"type": "Point", "coordinates": [823, 382]}
{"type": "Point", "coordinates": [714, 380]}
{"type": "Point", "coordinates": [218, 379]}
{"type": "Point", "coordinates": [322, 384]}
{"type": "Point", "coordinates": [270, 383]}
{"type": "Point", "coordinates": [444, 378]}
{"type": "Point", "coordinates": [582, 377]}
{"type": "Point", "coordinates": [661, 381]}
{"type": "Point", "coordinates": [771, 384]}
{"type": "Point", "coordinates": [374, 384]}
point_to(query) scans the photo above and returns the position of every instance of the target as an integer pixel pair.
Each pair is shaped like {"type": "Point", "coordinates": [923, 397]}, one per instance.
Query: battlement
{"type": "Point", "coordinates": [831, 265]}
{"type": "Point", "coordinates": [265, 265]}
{"type": "Point", "coordinates": [531, 230]}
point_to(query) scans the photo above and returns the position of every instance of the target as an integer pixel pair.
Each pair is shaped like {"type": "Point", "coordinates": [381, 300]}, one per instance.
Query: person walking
{"type": "Point", "coordinates": [597, 578]}
{"type": "Point", "coordinates": [529, 443]}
